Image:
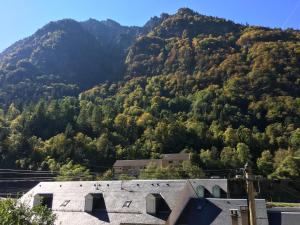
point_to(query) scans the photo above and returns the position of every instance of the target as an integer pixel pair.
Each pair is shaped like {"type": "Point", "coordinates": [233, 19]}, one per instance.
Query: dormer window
{"type": "Point", "coordinates": [202, 192]}
{"type": "Point", "coordinates": [156, 204]}
{"type": "Point", "coordinates": [94, 202]}
{"type": "Point", "coordinates": [43, 200]}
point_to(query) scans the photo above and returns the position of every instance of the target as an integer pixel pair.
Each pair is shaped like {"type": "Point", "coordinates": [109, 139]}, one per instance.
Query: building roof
{"type": "Point", "coordinates": [282, 216]}
{"type": "Point", "coordinates": [177, 156]}
{"type": "Point", "coordinates": [194, 210]}
{"type": "Point", "coordinates": [115, 194]}
{"type": "Point", "coordinates": [133, 163]}
{"type": "Point", "coordinates": [213, 211]}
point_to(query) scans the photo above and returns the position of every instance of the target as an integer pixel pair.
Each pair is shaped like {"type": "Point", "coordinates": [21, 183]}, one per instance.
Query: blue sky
{"type": "Point", "coordinates": [21, 18]}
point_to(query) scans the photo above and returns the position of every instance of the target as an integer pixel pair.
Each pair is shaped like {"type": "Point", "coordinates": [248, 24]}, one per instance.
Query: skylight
{"type": "Point", "coordinates": [65, 203]}
{"type": "Point", "coordinates": [127, 204]}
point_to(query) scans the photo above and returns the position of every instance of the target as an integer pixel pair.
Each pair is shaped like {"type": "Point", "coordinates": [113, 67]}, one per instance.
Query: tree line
{"type": "Point", "coordinates": [146, 117]}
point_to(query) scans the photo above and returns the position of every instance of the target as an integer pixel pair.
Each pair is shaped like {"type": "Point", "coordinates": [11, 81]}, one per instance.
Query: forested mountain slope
{"type": "Point", "coordinates": [63, 58]}
{"type": "Point", "coordinates": [226, 92]}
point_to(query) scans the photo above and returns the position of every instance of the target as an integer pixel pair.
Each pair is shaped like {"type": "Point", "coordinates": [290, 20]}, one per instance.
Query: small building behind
{"type": "Point", "coordinates": [134, 167]}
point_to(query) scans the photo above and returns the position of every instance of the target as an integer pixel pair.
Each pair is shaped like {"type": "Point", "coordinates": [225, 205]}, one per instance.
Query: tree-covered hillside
{"type": "Point", "coordinates": [226, 92]}
{"type": "Point", "coordinates": [62, 59]}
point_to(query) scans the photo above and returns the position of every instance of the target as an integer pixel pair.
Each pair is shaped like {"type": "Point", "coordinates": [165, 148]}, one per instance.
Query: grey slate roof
{"type": "Point", "coordinates": [212, 211]}
{"type": "Point", "coordinates": [115, 193]}
{"type": "Point", "coordinates": [284, 215]}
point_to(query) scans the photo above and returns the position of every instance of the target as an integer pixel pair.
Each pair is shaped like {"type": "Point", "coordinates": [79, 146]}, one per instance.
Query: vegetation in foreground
{"type": "Point", "coordinates": [16, 213]}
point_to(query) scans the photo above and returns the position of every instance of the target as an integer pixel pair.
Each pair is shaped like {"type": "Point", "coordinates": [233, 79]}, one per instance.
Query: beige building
{"type": "Point", "coordinates": [133, 167]}
{"type": "Point", "coordinates": [175, 159]}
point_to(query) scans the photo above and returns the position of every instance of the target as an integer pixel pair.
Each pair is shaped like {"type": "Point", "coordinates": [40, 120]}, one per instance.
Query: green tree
{"type": "Point", "coordinates": [207, 159]}
{"type": "Point", "coordinates": [184, 171]}
{"type": "Point", "coordinates": [230, 137]}
{"type": "Point", "coordinates": [73, 172]}
{"type": "Point", "coordinates": [288, 168]}
{"type": "Point", "coordinates": [265, 163]}
{"type": "Point", "coordinates": [125, 177]}
{"type": "Point", "coordinates": [96, 119]}
{"type": "Point", "coordinates": [17, 213]}
{"type": "Point", "coordinates": [229, 157]}
{"type": "Point", "coordinates": [12, 112]}
{"type": "Point", "coordinates": [58, 147]}
{"type": "Point", "coordinates": [295, 139]}
{"type": "Point", "coordinates": [243, 153]}
{"type": "Point", "coordinates": [280, 155]}
{"type": "Point", "coordinates": [107, 175]}
{"type": "Point", "coordinates": [190, 171]}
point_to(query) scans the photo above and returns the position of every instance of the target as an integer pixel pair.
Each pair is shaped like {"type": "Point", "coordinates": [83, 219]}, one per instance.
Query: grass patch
{"type": "Point", "coordinates": [282, 204]}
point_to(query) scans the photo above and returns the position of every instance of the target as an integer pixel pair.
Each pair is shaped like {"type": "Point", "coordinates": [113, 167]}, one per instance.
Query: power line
{"type": "Point", "coordinates": [285, 189]}
{"type": "Point", "coordinates": [18, 173]}
{"type": "Point", "coordinates": [33, 172]}
{"type": "Point", "coordinates": [24, 178]}
{"type": "Point", "coordinates": [33, 180]}
{"type": "Point", "coordinates": [23, 170]}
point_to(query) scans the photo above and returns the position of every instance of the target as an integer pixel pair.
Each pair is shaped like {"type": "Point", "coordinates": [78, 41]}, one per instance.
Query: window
{"type": "Point", "coordinates": [44, 200]}
{"type": "Point", "coordinates": [216, 191]}
{"type": "Point", "coordinates": [98, 202]}
{"type": "Point", "coordinates": [200, 191]}
{"type": "Point", "coordinates": [127, 204]}
{"type": "Point", "coordinates": [65, 203]}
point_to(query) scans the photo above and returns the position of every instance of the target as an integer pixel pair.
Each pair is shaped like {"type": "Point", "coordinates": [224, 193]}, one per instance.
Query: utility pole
{"type": "Point", "coordinates": [251, 195]}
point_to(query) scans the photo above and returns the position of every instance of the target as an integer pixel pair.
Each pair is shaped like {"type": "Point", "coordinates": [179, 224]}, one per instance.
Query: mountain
{"type": "Point", "coordinates": [96, 91]}
{"type": "Point", "coordinates": [175, 37]}
{"type": "Point", "coordinates": [59, 47]}
{"type": "Point", "coordinates": [66, 57]}
{"type": "Point", "coordinates": [63, 58]}
{"type": "Point", "coordinates": [111, 33]}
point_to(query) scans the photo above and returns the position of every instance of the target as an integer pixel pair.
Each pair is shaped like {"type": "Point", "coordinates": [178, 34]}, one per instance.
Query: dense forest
{"type": "Point", "coordinates": [227, 93]}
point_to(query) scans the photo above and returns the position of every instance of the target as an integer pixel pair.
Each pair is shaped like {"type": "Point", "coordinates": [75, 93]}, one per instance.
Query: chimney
{"type": "Point", "coordinates": [234, 216]}
{"type": "Point", "coordinates": [244, 215]}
